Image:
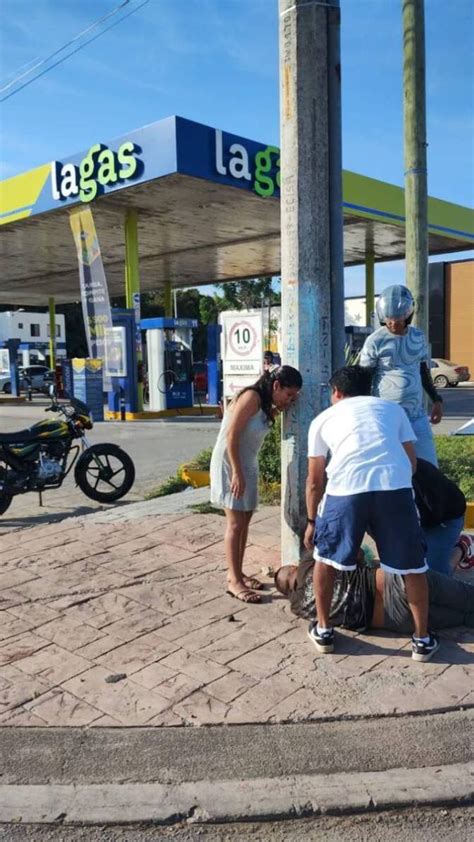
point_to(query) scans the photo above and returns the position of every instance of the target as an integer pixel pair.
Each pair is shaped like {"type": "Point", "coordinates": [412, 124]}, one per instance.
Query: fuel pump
{"type": "Point", "coordinates": [170, 363]}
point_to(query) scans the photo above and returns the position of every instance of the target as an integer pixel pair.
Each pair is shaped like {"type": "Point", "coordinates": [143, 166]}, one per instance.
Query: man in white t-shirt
{"type": "Point", "coordinates": [369, 487]}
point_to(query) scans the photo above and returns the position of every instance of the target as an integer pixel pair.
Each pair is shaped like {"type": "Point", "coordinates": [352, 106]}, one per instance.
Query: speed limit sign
{"type": "Point", "coordinates": [243, 338]}
{"type": "Point", "coordinates": [242, 352]}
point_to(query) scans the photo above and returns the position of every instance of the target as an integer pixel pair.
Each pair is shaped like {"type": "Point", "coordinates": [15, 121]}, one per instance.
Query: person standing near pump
{"type": "Point", "coordinates": [268, 361]}
{"type": "Point", "coordinates": [234, 465]}
{"type": "Point", "coordinates": [399, 356]}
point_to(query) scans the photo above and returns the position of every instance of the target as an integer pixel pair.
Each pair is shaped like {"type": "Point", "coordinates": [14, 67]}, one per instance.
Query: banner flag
{"type": "Point", "coordinates": [94, 291]}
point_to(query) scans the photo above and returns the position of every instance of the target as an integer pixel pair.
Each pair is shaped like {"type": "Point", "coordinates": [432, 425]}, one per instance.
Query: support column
{"type": "Point", "coordinates": [168, 300]}
{"type": "Point", "coordinates": [336, 218]}
{"type": "Point", "coordinates": [305, 241]}
{"type": "Point", "coordinates": [414, 113]}
{"type": "Point", "coordinates": [52, 334]}
{"type": "Point", "coordinates": [369, 286]}
{"type": "Point", "coordinates": [132, 289]}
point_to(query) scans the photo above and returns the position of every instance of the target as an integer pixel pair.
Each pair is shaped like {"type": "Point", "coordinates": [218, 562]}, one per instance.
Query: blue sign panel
{"type": "Point", "coordinates": [227, 159]}
{"type": "Point", "coordinates": [106, 167]}
{"type": "Point", "coordinates": [173, 145]}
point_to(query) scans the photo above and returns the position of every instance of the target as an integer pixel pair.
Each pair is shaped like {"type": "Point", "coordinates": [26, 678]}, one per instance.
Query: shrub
{"type": "Point", "coordinates": [201, 462]}
{"type": "Point", "coordinates": [456, 460]}
{"type": "Point", "coordinates": [270, 455]}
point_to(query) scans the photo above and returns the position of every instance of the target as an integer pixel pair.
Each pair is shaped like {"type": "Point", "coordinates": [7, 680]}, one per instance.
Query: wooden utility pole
{"type": "Point", "coordinates": [416, 177]}
{"type": "Point", "coordinates": [311, 233]}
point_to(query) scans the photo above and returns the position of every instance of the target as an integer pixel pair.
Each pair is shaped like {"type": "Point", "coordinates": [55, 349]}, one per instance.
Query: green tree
{"type": "Point", "coordinates": [246, 295]}
{"type": "Point", "coordinates": [208, 310]}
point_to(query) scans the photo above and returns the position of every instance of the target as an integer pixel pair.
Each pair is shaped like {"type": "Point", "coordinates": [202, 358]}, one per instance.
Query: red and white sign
{"type": "Point", "coordinates": [242, 350]}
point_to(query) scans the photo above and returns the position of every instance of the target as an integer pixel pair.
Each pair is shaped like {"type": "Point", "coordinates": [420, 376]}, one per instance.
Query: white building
{"type": "Point", "coordinates": [32, 329]}
{"type": "Point", "coordinates": [354, 311]}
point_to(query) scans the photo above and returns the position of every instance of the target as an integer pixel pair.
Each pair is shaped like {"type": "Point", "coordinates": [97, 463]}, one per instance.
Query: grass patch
{"type": "Point", "coordinates": [170, 486]}
{"type": "Point", "coordinates": [206, 509]}
{"type": "Point", "coordinates": [456, 460]}
{"type": "Point", "coordinates": [176, 483]}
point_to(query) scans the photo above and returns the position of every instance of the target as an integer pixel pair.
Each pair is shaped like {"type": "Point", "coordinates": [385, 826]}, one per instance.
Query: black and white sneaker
{"type": "Point", "coordinates": [424, 651]}
{"type": "Point", "coordinates": [324, 642]}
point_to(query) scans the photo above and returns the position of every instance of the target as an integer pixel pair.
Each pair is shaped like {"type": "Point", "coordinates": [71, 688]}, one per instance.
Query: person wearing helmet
{"type": "Point", "coordinates": [399, 356]}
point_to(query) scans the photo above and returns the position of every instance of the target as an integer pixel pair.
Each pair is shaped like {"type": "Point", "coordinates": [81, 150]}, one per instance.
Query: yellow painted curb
{"type": "Point", "coordinates": [198, 479]}
{"type": "Point", "coordinates": [188, 411]}
{"type": "Point", "coordinates": [469, 516]}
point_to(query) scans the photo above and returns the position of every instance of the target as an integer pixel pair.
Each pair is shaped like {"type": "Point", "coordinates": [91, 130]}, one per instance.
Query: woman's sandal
{"type": "Point", "coordinates": [253, 583]}
{"type": "Point", "coordinates": [246, 595]}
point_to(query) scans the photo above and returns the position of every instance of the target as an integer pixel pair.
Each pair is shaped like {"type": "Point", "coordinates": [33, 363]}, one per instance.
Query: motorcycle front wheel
{"type": "Point", "coordinates": [5, 499]}
{"type": "Point", "coordinates": [105, 473]}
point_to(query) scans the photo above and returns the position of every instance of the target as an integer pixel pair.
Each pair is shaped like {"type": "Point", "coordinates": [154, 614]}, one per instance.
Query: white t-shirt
{"type": "Point", "coordinates": [364, 436]}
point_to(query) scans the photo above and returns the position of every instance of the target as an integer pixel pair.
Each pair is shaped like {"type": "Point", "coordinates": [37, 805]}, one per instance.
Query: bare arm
{"type": "Point", "coordinates": [246, 406]}
{"type": "Point", "coordinates": [429, 387]}
{"type": "Point", "coordinates": [315, 484]}
{"type": "Point", "coordinates": [410, 452]}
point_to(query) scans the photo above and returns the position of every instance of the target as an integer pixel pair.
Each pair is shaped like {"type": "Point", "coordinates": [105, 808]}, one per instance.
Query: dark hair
{"type": "Point", "coordinates": [286, 375]}
{"type": "Point", "coordinates": [352, 381]}
{"type": "Point", "coordinates": [268, 355]}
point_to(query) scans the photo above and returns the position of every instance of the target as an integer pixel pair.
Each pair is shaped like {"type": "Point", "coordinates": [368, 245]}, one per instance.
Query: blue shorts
{"type": "Point", "coordinates": [390, 517]}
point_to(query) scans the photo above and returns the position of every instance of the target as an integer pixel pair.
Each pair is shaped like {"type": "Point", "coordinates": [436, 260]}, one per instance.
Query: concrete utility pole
{"type": "Point", "coordinates": [311, 232]}
{"type": "Point", "coordinates": [414, 113]}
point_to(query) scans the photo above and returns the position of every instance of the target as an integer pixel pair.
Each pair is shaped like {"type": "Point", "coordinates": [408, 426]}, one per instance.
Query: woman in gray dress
{"type": "Point", "coordinates": [234, 465]}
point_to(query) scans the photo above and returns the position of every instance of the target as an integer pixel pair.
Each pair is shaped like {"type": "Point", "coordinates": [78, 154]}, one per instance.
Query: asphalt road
{"type": "Point", "coordinates": [35, 756]}
{"type": "Point", "coordinates": [436, 824]}
{"type": "Point", "coordinates": [458, 408]}
{"type": "Point", "coordinates": [156, 447]}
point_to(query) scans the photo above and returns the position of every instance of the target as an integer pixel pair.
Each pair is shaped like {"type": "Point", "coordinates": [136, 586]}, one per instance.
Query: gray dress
{"type": "Point", "coordinates": [250, 442]}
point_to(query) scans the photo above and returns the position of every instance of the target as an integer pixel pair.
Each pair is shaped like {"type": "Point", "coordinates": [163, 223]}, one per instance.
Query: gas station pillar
{"type": "Point", "coordinates": [168, 300]}
{"type": "Point", "coordinates": [132, 291]}
{"type": "Point", "coordinates": [52, 334]}
{"type": "Point", "coordinates": [369, 287]}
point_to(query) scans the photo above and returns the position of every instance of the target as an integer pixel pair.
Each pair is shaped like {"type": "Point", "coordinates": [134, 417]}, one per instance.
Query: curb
{"type": "Point", "coordinates": [231, 801]}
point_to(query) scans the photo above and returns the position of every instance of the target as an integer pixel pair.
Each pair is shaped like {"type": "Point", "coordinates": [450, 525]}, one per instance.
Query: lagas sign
{"type": "Point", "coordinates": [263, 170]}
{"type": "Point", "coordinates": [100, 167]}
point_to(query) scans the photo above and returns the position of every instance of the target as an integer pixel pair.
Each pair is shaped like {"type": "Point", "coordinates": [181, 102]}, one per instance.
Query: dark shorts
{"type": "Point", "coordinates": [390, 517]}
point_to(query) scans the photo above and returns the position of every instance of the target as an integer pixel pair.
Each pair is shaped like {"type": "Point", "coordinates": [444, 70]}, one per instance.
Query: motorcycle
{"type": "Point", "coordinates": [38, 458]}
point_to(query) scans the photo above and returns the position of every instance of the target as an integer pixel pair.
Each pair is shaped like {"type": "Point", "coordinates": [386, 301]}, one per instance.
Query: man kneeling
{"type": "Point", "coordinates": [369, 487]}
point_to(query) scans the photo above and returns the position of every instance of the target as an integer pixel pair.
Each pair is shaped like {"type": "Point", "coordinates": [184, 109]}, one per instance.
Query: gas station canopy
{"type": "Point", "coordinates": [208, 211]}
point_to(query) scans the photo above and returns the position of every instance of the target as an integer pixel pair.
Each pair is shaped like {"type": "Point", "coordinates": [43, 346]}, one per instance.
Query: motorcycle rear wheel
{"type": "Point", "coordinates": [105, 473]}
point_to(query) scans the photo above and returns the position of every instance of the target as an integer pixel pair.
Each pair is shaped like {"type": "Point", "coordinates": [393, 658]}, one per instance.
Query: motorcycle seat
{"type": "Point", "coordinates": [19, 437]}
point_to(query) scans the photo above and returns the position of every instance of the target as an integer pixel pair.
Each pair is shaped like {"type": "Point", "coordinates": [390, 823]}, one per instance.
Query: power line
{"type": "Point", "coordinates": [41, 63]}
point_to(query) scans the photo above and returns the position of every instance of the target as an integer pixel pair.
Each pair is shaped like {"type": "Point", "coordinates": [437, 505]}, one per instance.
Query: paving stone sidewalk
{"type": "Point", "coordinates": [120, 618]}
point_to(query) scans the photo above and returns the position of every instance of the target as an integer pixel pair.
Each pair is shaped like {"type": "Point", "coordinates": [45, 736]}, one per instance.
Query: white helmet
{"type": "Point", "coordinates": [395, 302]}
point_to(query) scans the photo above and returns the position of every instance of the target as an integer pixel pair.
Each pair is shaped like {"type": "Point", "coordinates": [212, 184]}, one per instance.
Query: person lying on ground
{"type": "Point", "coordinates": [368, 598]}
{"type": "Point", "coordinates": [370, 443]}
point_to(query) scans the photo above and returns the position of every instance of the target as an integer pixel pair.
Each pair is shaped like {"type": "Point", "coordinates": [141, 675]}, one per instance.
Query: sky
{"type": "Point", "coordinates": [216, 62]}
